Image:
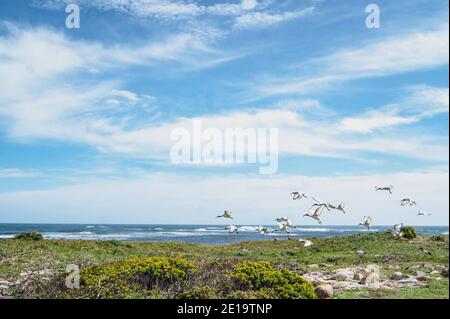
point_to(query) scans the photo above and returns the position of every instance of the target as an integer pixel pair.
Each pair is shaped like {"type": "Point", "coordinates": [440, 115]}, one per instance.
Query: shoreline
{"type": "Point", "coordinates": [339, 262]}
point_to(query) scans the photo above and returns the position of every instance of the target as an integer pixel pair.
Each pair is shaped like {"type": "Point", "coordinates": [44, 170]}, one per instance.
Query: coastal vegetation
{"type": "Point", "coordinates": [373, 265]}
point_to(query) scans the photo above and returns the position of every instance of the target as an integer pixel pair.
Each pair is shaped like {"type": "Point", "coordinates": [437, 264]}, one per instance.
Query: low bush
{"type": "Point", "coordinates": [265, 281]}
{"type": "Point", "coordinates": [32, 235]}
{"type": "Point", "coordinates": [135, 278]}
{"type": "Point", "coordinates": [408, 232]}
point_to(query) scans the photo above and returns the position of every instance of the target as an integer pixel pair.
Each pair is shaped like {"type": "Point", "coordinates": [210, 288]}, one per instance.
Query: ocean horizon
{"type": "Point", "coordinates": [212, 234]}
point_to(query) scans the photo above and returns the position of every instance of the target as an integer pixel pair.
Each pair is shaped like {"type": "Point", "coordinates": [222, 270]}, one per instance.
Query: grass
{"type": "Point", "coordinates": [437, 289]}
{"type": "Point", "coordinates": [17, 256]}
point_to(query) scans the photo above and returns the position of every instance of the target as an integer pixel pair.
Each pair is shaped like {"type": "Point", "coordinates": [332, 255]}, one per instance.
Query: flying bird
{"type": "Point", "coordinates": [385, 188]}
{"type": "Point", "coordinates": [284, 228]}
{"type": "Point", "coordinates": [320, 203]}
{"type": "Point", "coordinates": [367, 222]}
{"type": "Point", "coordinates": [226, 214]}
{"type": "Point", "coordinates": [339, 207]}
{"type": "Point", "coordinates": [297, 195]}
{"type": "Point", "coordinates": [282, 220]}
{"type": "Point", "coordinates": [232, 229]}
{"type": "Point", "coordinates": [407, 201]}
{"type": "Point", "coordinates": [420, 213]}
{"type": "Point", "coordinates": [316, 214]}
{"type": "Point", "coordinates": [263, 230]}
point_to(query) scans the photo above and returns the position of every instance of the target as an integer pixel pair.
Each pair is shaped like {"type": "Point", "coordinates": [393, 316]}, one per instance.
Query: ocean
{"type": "Point", "coordinates": [197, 234]}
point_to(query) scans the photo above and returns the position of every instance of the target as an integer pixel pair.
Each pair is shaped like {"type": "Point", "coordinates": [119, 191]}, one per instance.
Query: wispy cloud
{"type": "Point", "coordinates": [422, 102]}
{"type": "Point", "coordinates": [245, 14]}
{"type": "Point", "coordinates": [393, 55]}
{"type": "Point", "coordinates": [263, 19]}
{"type": "Point", "coordinates": [18, 173]}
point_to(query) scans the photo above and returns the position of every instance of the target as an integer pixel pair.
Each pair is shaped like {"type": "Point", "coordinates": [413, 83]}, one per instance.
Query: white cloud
{"type": "Point", "coordinates": [158, 8]}
{"type": "Point", "coordinates": [37, 106]}
{"type": "Point", "coordinates": [427, 101]}
{"type": "Point", "coordinates": [371, 121]}
{"type": "Point", "coordinates": [263, 19]}
{"type": "Point", "coordinates": [253, 199]}
{"type": "Point", "coordinates": [17, 173]}
{"type": "Point", "coordinates": [422, 102]}
{"type": "Point", "coordinates": [397, 54]}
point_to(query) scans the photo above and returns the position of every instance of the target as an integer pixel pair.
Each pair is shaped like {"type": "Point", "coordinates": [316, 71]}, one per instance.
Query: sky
{"type": "Point", "coordinates": [86, 114]}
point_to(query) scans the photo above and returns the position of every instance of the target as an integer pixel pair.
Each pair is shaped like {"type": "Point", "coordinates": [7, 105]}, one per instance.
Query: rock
{"type": "Point", "coordinates": [313, 266]}
{"type": "Point", "coordinates": [424, 278]}
{"type": "Point", "coordinates": [373, 268]}
{"type": "Point", "coordinates": [409, 282]}
{"type": "Point", "coordinates": [445, 272]}
{"type": "Point", "coordinates": [419, 274]}
{"type": "Point", "coordinates": [397, 276]}
{"type": "Point", "coordinates": [324, 292]}
{"type": "Point", "coordinates": [370, 278]}
{"type": "Point", "coordinates": [358, 277]}
{"type": "Point", "coordinates": [344, 275]}
{"type": "Point", "coordinates": [434, 272]}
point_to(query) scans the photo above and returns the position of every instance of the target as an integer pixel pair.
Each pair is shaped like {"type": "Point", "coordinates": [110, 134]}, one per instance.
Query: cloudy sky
{"type": "Point", "coordinates": [86, 114]}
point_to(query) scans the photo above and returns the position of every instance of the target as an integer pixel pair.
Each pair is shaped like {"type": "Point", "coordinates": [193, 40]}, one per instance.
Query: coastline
{"type": "Point", "coordinates": [48, 259]}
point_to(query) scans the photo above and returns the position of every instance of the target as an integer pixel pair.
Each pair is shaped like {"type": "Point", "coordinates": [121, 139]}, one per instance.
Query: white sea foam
{"type": "Point", "coordinates": [248, 228]}
{"type": "Point", "coordinates": [324, 230]}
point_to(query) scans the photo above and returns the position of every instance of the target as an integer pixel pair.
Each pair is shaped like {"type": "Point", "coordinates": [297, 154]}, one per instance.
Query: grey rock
{"type": "Point", "coordinates": [324, 292]}
{"type": "Point", "coordinates": [419, 274]}
{"type": "Point", "coordinates": [397, 276]}
{"type": "Point", "coordinates": [344, 275]}
{"type": "Point", "coordinates": [370, 278]}
{"type": "Point", "coordinates": [358, 276]}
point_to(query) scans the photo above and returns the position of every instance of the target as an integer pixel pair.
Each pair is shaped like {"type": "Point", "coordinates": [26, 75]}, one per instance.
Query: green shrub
{"type": "Point", "coordinates": [134, 278]}
{"type": "Point", "coordinates": [408, 232]}
{"type": "Point", "coordinates": [439, 238]}
{"type": "Point", "coordinates": [268, 282]}
{"type": "Point", "coordinates": [32, 235]}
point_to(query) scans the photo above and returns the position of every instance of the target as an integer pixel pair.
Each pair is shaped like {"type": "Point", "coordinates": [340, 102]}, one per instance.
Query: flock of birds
{"type": "Point", "coordinates": [285, 225]}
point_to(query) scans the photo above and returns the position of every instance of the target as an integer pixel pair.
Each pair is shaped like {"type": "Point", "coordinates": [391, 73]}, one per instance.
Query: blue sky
{"type": "Point", "coordinates": [86, 114]}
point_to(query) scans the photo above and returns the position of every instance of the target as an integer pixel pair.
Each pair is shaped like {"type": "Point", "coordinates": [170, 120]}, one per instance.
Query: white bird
{"type": "Point", "coordinates": [385, 188]}
{"type": "Point", "coordinates": [289, 223]}
{"type": "Point", "coordinates": [397, 228]}
{"type": "Point", "coordinates": [339, 207]}
{"type": "Point", "coordinates": [420, 213]}
{"type": "Point", "coordinates": [320, 203]}
{"type": "Point", "coordinates": [305, 242]}
{"type": "Point", "coordinates": [360, 252]}
{"type": "Point", "coordinates": [232, 229]}
{"type": "Point", "coordinates": [282, 220]}
{"type": "Point", "coordinates": [316, 214]}
{"type": "Point", "coordinates": [285, 228]}
{"type": "Point", "coordinates": [226, 214]}
{"type": "Point", "coordinates": [367, 222]}
{"type": "Point", "coordinates": [297, 195]}
{"type": "Point", "coordinates": [263, 230]}
{"type": "Point", "coordinates": [406, 201]}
